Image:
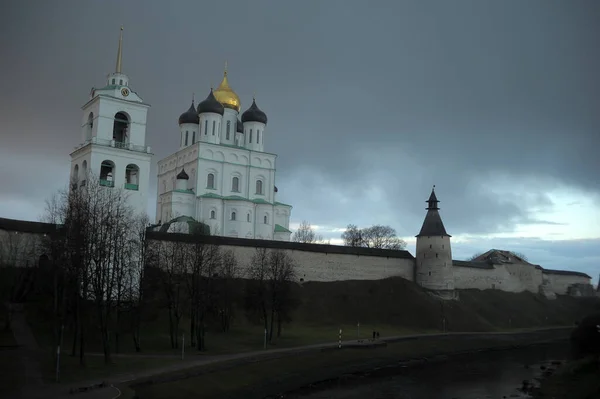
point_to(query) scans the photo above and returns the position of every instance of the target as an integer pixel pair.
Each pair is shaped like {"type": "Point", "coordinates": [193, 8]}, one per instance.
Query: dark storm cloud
{"type": "Point", "coordinates": [369, 103]}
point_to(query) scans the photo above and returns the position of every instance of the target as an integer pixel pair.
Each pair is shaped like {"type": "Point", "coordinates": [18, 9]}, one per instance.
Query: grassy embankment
{"type": "Point", "coordinates": [393, 307]}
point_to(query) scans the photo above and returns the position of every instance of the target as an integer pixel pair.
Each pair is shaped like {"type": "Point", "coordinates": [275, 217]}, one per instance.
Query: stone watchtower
{"type": "Point", "coordinates": [433, 266]}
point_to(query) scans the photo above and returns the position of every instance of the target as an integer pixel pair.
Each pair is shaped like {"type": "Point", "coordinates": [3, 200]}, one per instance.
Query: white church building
{"type": "Point", "coordinates": [220, 175]}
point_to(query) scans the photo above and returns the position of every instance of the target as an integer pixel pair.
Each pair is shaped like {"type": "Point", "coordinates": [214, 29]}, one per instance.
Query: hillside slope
{"type": "Point", "coordinates": [399, 302]}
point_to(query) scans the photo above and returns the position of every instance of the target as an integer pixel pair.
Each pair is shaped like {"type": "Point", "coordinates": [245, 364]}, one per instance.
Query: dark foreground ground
{"type": "Point", "coordinates": [255, 378]}
{"type": "Point", "coordinates": [575, 380]}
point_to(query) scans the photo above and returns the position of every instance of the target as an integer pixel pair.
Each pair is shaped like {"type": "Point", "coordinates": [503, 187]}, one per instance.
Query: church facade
{"type": "Point", "coordinates": [221, 175]}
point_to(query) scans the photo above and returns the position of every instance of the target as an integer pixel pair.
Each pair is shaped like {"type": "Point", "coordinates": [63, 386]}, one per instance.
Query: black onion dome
{"type": "Point", "coordinates": [182, 175]}
{"type": "Point", "coordinates": [240, 126]}
{"type": "Point", "coordinates": [189, 116]}
{"type": "Point", "coordinates": [211, 105]}
{"type": "Point", "coordinates": [254, 114]}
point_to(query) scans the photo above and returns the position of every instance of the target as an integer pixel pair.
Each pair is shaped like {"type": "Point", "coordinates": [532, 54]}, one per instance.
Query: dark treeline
{"type": "Point", "coordinates": [99, 276]}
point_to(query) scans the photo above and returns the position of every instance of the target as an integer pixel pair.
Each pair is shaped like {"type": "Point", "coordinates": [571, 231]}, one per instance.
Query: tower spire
{"type": "Point", "coordinates": [432, 202]}
{"type": "Point", "coordinates": [225, 72]}
{"type": "Point", "coordinates": [119, 52]}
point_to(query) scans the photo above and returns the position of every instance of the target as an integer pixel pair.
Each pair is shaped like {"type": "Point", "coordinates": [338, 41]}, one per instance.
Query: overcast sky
{"type": "Point", "coordinates": [370, 103]}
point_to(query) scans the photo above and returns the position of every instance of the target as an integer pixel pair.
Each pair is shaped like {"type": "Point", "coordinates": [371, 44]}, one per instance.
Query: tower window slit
{"type": "Point", "coordinates": [214, 126]}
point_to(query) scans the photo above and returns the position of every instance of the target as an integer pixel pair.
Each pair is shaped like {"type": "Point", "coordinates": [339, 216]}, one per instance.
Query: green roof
{"type": "Point", "coordinates": [281, 229]}
{"type": "Point", "coordinates": [282, 204]}
{"type": "Point", "coordinates": [194, 227]}
{"type": "Point", "coordinates": [184, 191]}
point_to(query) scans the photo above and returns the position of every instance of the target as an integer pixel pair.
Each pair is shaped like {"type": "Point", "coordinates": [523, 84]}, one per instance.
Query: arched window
{"type": "Point", "coordinates": [259, 187]}
{"type": "Point", "coordinates": [132, 177]}
{"type": "Point", "coordinates": [121, 128]}
{"type": "Point", "coordinates": [89, 127]}
{"type": "Point", "coordinates": [107, 173]}
{"type": "Point", "coordinates": [228, 127]}
{"type": "Point", "coordinates": [257, 136]}
{"type": "Point", "coordinates": [235, 184]}
{"type": "Point", "coordinates": [186, 137]}
{"type": "Point", "coordinates": [266, 219]}
{"type": "Point", "coordinates": [84, 172]}
{"type": "Point", "coordinates": [205, 127]}
{"type": "Point", "coordinates": [75, 175]}
{"type": "Point", "coordinates": [250, 138]}
{"type": "Point", "coordinates": [248, 217]}
{"type": "Point", "coordinates": [210, 181]}
{"type": "Point", "coordinates": [164, 186]}
{"type": "Point", "coordinates": [213, 215]}
{"type": "Point", "coordinates": [193, 137]}
{"type": "Point", "coordinates": [214, 127]}
{"type": "Point", "coordinates": [232, 215]}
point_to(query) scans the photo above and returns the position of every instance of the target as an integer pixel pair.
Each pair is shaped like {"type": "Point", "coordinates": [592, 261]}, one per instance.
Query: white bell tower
{"type": "Point", "coordinates": [113, 139]}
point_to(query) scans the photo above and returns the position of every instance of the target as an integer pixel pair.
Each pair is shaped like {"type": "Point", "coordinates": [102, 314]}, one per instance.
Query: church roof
{"type": "Point", "coordinates": [210, 104]}
{"type": "Point", "coordinates": [189, 116]}
{"type": "Point", "coordinates": [254, 114]}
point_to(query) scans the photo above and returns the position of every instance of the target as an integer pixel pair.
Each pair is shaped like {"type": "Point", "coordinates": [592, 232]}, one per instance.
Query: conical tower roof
{"type": "Point", "coordinates": [433, 225]}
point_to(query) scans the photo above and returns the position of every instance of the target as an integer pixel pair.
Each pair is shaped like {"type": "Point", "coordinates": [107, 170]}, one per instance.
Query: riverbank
{"type": "Point", "coordinates": [259, 378]}
{"type": "Point", "coordinates": [574, 380]}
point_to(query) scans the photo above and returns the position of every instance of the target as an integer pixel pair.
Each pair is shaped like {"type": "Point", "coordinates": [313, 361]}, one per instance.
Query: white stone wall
{"type": "Point", "coordinates": [434, 263]}
{"type": "Point", "coordinates": [482, 279]}
{"type": "Point", "coordinates": [319, 266]}
{"type": "Point", "coordinates": [517, 277]}
{"type": "Point", "coordinates": [559, 283]}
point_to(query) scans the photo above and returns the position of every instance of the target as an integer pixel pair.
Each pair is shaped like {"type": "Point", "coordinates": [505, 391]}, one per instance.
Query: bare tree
{"type": "Point", "coordinates": [306, 234]}
{"type": "Point", "coordinates": [352, 236]}
{"type": "Point", "coordinates": [97, 223]}
{"type": "Point", "coordinates": [271, 275]}
{"type": "Point", "coordinates": [170, 258]}
{"type": "Point", "coordinates": [204, 261]}
{"type": "Point", "coordinates": [382, 237]}
{"type": "Point", "coordinates": [139, 250]}
{"type": "Point", "coordinates": [18, 268]}
{"type": "Point", "coordinates": [228, 273]}
{"type": "Point", "coordinates": [377, 236]}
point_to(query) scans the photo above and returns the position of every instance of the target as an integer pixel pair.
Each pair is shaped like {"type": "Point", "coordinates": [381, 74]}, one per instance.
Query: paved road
{"type": "Point", "coordinates": [62, 391]}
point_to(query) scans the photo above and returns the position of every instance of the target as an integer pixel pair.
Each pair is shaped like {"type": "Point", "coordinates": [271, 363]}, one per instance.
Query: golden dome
{"type": "Point", "coordinates": [226, 96]}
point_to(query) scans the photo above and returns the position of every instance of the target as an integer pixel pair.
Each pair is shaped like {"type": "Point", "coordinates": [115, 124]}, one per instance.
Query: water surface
{"type": "Point", "coordinates": [497, 374]}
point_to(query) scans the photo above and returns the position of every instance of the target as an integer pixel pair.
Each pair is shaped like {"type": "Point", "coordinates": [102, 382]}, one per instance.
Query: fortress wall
{"type": "Point", "coordinates": [522, 276]}
{"type": "Point", "coordinates": [559, 283]}
{"type": "Point", "coordinates": [21, 245]}
{"type": "Point", "coordinates": [322, 262]}
{"type": "Point", "coordinates": [21, 242]}
{"type": "Point", "coordinates": [506, 277]}
{"type": "Point", "coordinates": [479, 278]}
